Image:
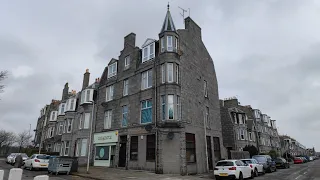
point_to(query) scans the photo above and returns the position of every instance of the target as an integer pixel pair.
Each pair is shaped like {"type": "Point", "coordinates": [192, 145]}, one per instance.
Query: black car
{"type": "Point", "coordinates": [268, 164]}
{"type": "Point", "coordinates": [282, 163]}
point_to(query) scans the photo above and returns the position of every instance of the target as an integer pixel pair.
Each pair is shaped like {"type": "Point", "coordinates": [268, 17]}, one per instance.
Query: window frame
{"type": "Point", "coordinates": [242, 133]}
{"type": "Point", "coordinates": [163, 73]}
{"type": "Point", "coordinates": [66, 148]}
{"type": "Point", "coordinates": [163, 106]}
{"type": "Point", "coordinates": [110, 67]}
{"type": "Point", "coordinates": [125, 116]}
{"type": "Point", "coordinates": [145, 79]}
{"type": "Point", "coordinates": [192, 148]}
{"type": "Point", "coordinates": [178, 103]}
{"type": "Point", "coordinates": [170, 43]}
{"type": "Point", "coordinates": [146, 108]}
{"type": "Point", "coordinates": [107, 121]}
{"type": "Point", "coordinates": [162, 45]}
{"type": "Point", "coordinates": [172, 104]}
{"type": "Point", "coordinates": [150, 142]}
{"type": "Point", "coordinates": [134, 149]}
{"type": "Point", "coordinates": [125, 87]}
{"type": "Point", "coordinates": [87, 121]}
{"type": "Point", "coordinates": [109, 93]}
{"type": "Point", "coordinates": [170, 72]}
{"type": "Point", "coordinates": [177, 74]}
{"type": "Point", "coordinates": [83, 145]}
{"type": "Point", "coordinates": [69, 124]}
{"type": "Point", "coordinates": [127, 61]}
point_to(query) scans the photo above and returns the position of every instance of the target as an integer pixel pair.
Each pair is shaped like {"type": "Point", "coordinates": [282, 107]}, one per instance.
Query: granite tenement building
{"type": "Point", "coordinates": [158, 105]}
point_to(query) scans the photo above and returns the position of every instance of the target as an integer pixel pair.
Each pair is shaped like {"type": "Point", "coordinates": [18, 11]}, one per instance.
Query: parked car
{"type": "Point", "coordinates": [282, 163]}
{"type": "Point", "coordinates": [10, 158]}
{"type": "Point", "coordinates": [234, 169]}
{"type": "Point", "coordinates": [268, 164]}
{"type": "Point", "coordinates": [311, 158]}
{"type": "Point", "coordinates": [298, 160]}
{"type": "Point", "coordinates": [37, 161]}
{"type": "Point", "coordinates": [256, 168]}
{"type": "Point", "coordinates": [305, 160]}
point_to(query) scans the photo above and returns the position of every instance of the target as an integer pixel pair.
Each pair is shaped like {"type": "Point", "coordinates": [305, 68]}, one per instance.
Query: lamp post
{"type": "Point", "coordinates": [90, 137]}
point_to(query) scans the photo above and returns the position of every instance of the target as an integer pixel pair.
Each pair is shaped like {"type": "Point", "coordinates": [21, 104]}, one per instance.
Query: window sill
{"type": "Point", "coordinates": [109, 77]}
{"type": "Point", "coordinates": [126, 68]}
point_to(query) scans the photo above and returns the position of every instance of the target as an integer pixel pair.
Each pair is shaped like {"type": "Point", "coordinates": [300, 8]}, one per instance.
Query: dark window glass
{"type": "Point", "coordinates": [225, 163]}
{"type": "Point", "coordinates": [102, 153]}
{"type": "Point", "coordinates": [190, 147]}
{"type": "Point", "coordinates": [134, 148]}
{"type": "Point", "coordinates": [151, 147]}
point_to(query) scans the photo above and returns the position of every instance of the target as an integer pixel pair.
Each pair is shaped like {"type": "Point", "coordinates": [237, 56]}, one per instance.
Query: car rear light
{"type": "Point", "coordinates": [251, 165]}
{"type": "Point", "coordinates": [36, 160]}
{"type": "Point", "coordinates": [216, 169]}
{"type": "Point", "coordinates": [233, 168]}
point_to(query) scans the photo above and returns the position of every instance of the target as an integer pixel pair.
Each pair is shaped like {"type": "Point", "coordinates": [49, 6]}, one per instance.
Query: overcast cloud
{"type": "Point", "coordinates": [267, 53]}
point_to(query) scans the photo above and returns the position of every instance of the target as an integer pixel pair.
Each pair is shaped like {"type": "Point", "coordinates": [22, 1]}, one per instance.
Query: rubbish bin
{"type": "Point", "coordinates": [75, 164]}
{"type": "Point", "coordinates": [60, 164]}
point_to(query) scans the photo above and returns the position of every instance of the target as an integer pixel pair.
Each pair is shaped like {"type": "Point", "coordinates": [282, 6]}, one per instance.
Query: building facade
{"type": "Point", "coordinates": [158, 106]}
{"type": "Point", "coordinates": [292, 146]}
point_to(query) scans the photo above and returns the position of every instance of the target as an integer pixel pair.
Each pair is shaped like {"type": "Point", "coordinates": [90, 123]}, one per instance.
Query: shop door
{"type": "Point", "coordinates": [123, 151]}
{"type": "Point", "coordinates": [209, 151]}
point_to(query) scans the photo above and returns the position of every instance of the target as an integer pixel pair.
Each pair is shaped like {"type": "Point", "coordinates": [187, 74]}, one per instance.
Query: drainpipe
{"type": "Point", "coordinates": [155, 116]}
{"type": "Point", "coordinates": [205, 142]}
{"type": "Point", "coordinates": [90, 137]}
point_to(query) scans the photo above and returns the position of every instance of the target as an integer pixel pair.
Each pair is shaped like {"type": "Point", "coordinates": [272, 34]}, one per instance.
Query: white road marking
{"type": "Point", "coordinates": [298, 177]}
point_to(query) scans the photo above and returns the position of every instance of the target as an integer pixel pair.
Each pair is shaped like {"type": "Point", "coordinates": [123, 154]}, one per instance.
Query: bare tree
{"type": "Point", "coordinates": [3, 75]}
{"type": "Point", "coordinates": [23, 139]}
{"type": "Point", "coordinates": [6, 138]}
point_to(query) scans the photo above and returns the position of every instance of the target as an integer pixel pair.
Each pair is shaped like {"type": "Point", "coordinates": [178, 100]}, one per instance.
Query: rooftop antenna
{"type": "Point", "coordinates": [182, 14]}
{"type": "Point", "coordinates": [189, 11]}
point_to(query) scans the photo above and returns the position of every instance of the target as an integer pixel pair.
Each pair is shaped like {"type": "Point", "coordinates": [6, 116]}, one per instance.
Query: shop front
{"type": "Point", "coordinates": [105, 148]}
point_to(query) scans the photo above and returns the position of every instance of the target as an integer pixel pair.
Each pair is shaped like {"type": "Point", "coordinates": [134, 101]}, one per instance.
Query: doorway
{"type": "Point", "coordinates": [209, 151]}
{"type": "Point", "coordinates": [123, 151]}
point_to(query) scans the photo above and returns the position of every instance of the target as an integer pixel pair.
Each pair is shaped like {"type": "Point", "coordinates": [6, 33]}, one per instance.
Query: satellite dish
{"type": "Point", "coordinates": [170, 135]}
{"type": "Point", "coordinates": [148, 127]}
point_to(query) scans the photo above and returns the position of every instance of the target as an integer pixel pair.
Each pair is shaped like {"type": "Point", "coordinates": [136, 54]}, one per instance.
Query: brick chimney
{"type": "Point", "coordinates": [86, 78]}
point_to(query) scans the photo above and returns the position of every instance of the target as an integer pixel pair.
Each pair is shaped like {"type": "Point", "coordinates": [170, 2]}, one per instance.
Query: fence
{"type": "Point", "coordinates": [16, 174]}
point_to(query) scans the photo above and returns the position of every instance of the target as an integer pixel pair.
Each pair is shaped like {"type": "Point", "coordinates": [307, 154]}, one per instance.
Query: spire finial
{"type": "Point", "coordinates": [168, 6]}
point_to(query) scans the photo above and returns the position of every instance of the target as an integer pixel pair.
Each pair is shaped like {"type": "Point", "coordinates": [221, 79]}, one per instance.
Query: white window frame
{"type": "Point", "coordinates": [170, 72]}
{"type": "Point", "coordinates": [151, 50]}
{"type": "Point", "coordinates": [162, 44]}
{"type": "Point", "coordinates": [64, 126]}
{"type": "Point", "coordinates": [60, 128]}
{"type": "Point", "coordinates": [178, 108]}
{"type": "Point", "coordinates": [242, 133]}
{"type": "Point", "coordinates": [109, 93]}
{"type": "Point", "coordinates": [205, 88]}
{"type": "Point", "coordinates": [69, 124]}
{"type": "Point", "coordinates": [81, 120]}
{"type": "Point", "coordinates": [107, 119]}
{"type": "Point", "coordinates": [148, 52]}
{"type": "Point", "coordinates": [66, 147]}
{"type": "Point", "coordinates": [240, 118]}
{"type": "Point", "coordinates": [145, 52]}
{"type": "Point", "coordinates": [77, 147]}
{"type": "Point", "coordinates": [163, 73]}
{"type": "Point", "coordinates": [84, 144]}
{"type": "Point", "coordinates": [172, 105]}
{"type": "Point", "coordinates": [145, 79]}
{"type": "Point", "coordinates": [176, 44]}
{"type": "Point", "coordinates": [86, 122]}
{"type": "Point", "coordinates": [170, 43]}
{"type": "Point", "coordinates": [125, 87]}
{"type": "Point", "coordinates": [177, 73]}
{"type": "Point", "coordinates": [62, 108]}
{"type": "Point", "coordinates": [112, 67]}
{"type": "Point", "coordinates": [84, 96]}
{"type": "Point", "coordinates": [53, 116]}
{"type": "Point", "coordinates": [127, 62]}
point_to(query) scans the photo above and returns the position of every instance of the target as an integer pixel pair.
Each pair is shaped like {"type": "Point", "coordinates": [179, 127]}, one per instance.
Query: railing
{"type": "Point", "coordinates": [16, 174]}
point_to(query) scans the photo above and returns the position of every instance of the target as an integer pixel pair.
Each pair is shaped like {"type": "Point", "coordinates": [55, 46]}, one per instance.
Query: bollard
{"type": "Point", "coordinates": [42, 177]}
{"type": "Point", "coordinates": [15, 174]}
{"type": "Point", "coordinates": [1, 174]}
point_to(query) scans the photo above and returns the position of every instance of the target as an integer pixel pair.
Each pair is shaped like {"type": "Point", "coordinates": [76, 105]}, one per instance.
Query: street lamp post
{"type": "Point", "coordinates": [90, 137]}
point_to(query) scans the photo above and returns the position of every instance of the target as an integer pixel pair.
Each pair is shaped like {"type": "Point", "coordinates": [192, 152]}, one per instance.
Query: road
{"type": "Point", "coordinates": [29, 175]}
{"type": "Point", "coordinates": [307, 171]}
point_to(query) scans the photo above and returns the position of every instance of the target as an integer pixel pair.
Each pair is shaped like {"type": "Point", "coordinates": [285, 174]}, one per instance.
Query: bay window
{"type": "Point", "coordinates": [70, 105]}
{"type": "Point", "coordinates": [178, 108]}
{"type": "Point", "coordinates": [177, 73]}
{"type": "Point", "coordinates": [176, 44]}
{"type": "Point", "coordinates": [109, 92]}
{"type": "Point", "coordinates": [162, 44]}
{"type": "Point", "coordinates": [242, 134]}
{"type": "Point", "coordinates": [86, 96]}
{"type": "Point", "coordinates": [170, 107]}
{"type": "Point", "coordinates": [146, 79]}
{"type": "Point", "coordinates": [112, 70]}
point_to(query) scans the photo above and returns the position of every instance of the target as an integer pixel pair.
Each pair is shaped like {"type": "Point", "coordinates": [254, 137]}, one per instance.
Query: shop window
{"type": "Point", "coordinates": [102, 152]}
{"type": "Point", "coordinates": [134, 148]}
{"type": "Point", "coordinates": [190, 148]}
{"type": "Point", "coordinates": [151, 147]}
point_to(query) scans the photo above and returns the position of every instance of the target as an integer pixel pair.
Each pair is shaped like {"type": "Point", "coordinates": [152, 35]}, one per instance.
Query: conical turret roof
{"type": "Point", "coordinates": [168, 24]}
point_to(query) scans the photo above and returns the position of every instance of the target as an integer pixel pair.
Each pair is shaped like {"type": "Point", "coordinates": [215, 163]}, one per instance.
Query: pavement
{"type": "Point", "coordinates": [307, 171]}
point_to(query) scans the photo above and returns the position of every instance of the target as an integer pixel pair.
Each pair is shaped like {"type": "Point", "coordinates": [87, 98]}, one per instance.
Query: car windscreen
{"type": "Point", "coordinates": [43, 157]}
{"type": "Point", "coordinates": [225, 163]}
{"type": "Point", "coordinates": [260, 158]}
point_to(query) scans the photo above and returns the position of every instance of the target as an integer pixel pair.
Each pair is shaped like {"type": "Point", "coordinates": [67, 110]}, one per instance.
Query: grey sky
{"type": "Point", "coordinates": [265, 52]}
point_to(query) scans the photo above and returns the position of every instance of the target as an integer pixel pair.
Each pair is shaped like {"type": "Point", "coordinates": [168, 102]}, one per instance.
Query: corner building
{"type": "Point", "coordinates": [158, 106]}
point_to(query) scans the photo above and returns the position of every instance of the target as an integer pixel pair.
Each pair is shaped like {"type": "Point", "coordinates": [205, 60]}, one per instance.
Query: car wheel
{"type": "Point", "coordinates": [263, 171]}
{"type": "Point", "coordinates": [31, 168]}
{"type": "Point", "coordinates": [240, 176]}
{"type": "Point", "coordinates": [256, 173]}
{"type": "Point", "coordinates": [252, 175]}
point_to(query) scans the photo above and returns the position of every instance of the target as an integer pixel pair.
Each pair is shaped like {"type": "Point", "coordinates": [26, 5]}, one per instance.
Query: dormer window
{"type": "Point", "coordinates": [70, 105]}
{"type": "Point", "coordinates": [53, 115]}
{"type": "Point", "coordinates": [112, 70]}
{"type": "Point", "coordinates": [86, 96]}
{"type": "Point", "coordinates": [169, 43]}
{"type": "Point", "coordinates": [61, 108]}
{"type": "Point", "coordinates": [126, 62]}
{"type": "Point", "coordinates": [148, 50]}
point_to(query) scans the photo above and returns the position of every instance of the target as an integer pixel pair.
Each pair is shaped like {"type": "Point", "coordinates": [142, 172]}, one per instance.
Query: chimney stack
{"type": "Point", "coordinates": [65, 91]}
{"type": "Point", "coordinates": [86, 78]}
{"type": "Point", "coordinates": [130, 39]}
